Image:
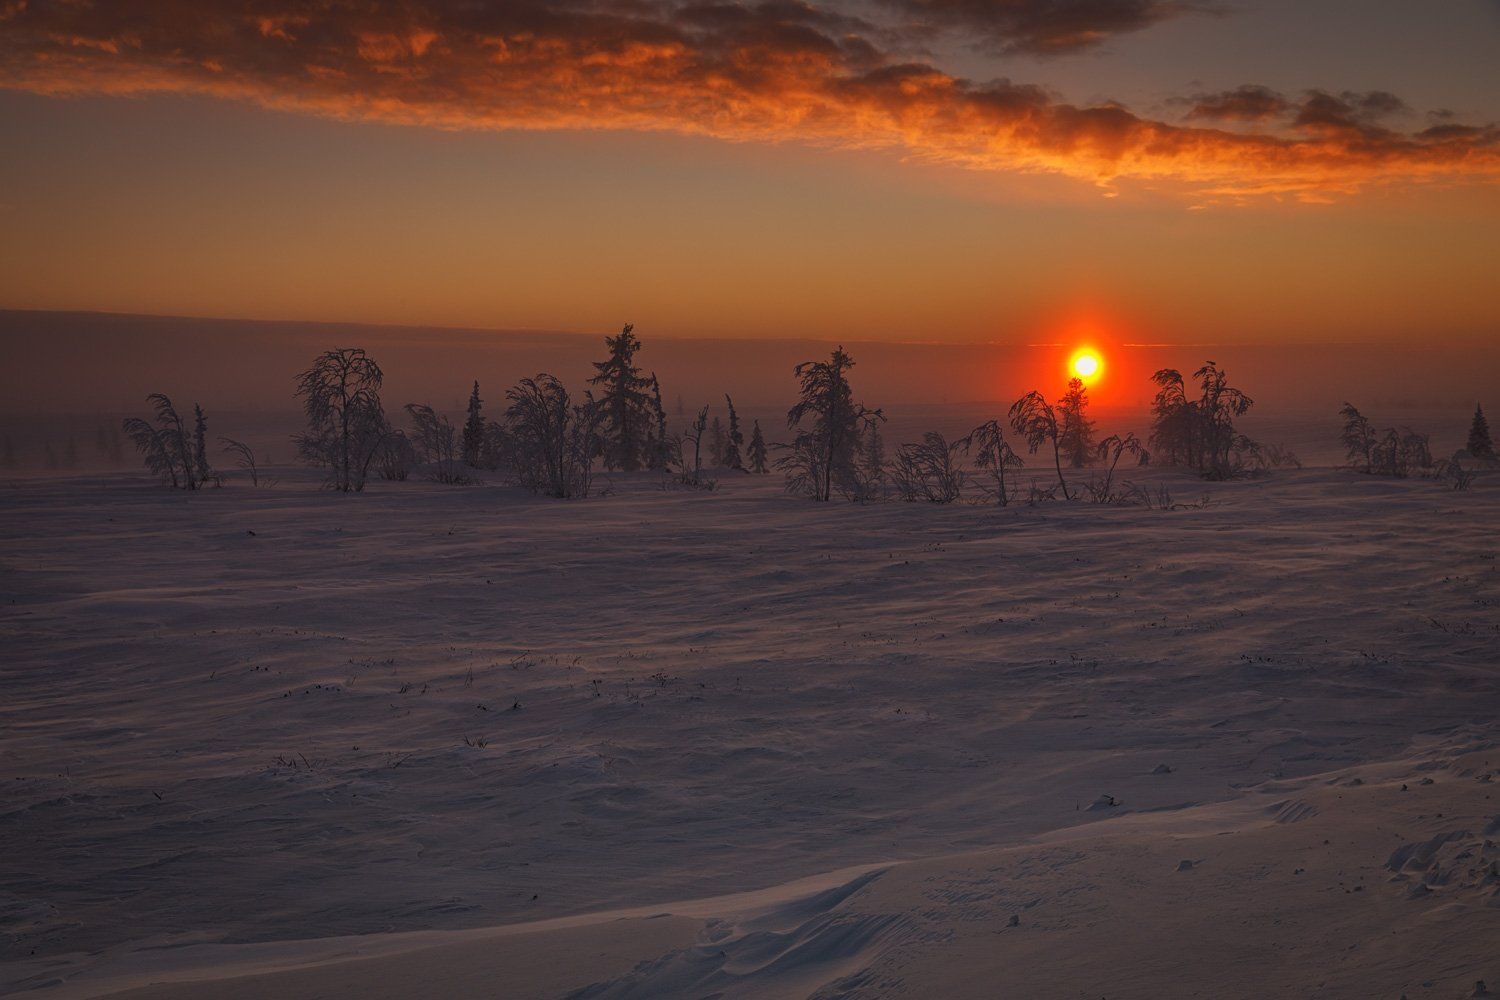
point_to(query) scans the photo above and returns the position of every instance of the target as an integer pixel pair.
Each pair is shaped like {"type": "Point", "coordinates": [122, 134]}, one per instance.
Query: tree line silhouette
{"type": "Point", "coordinates": [553, 443]}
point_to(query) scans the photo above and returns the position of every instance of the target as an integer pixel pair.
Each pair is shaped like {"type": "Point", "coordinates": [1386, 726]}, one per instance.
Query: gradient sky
{"type": "Point", "coordinates": [951, 170]}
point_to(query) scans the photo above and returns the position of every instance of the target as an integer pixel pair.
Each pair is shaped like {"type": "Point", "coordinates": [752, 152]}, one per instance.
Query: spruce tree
{"type": "Point", "coordinates": [872, 461]}
{"type": "Point", "coordinates": [661, 451]}
{"type": "Point", "coordinates": [474, 430]}
{"type": "Point", "coordinates": [624, 404]}
{"type": "Point", "coordinates": [1077, 433]}
{"type": "Point", "coordinates": [757, 452]}
{"type": "Point", "coordinates": [823, 457]}
{"type": "Point", "coordinates": [734, 439]}
{"type": "Point", "coordinates": [201, 471]}
{"type": "Point", "coordinates": [716, 442]}
{"type": "Point", "coordinates": [1480, 445]}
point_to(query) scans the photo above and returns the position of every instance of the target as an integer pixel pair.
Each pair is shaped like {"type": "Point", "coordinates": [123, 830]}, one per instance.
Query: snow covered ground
{"type": "Point", "coordinates": [521, 747]}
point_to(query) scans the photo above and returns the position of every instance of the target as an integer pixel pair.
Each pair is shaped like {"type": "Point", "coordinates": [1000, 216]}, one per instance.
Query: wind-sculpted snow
{"type": "Point", "coordinates": [255, 715]}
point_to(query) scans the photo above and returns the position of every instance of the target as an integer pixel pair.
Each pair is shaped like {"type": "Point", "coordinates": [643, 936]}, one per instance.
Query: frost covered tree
{"type": "Point", "coordinates": [716, 443]}
{"type": "Point", "coordinates": [165, 447]}
{"type": "Point", "coordinates": [734, 439]}
{"type": "Point", "coordinates": [1077, 433]}
{"type": "Point", "coordinates": [552, 441]}
{"type": "Point", "coordinates": [436, 442]}
{"type": "Point", "coordinates": [823, 455]}
{"type": "Point", "coordinates": [993, 454]}
{"type": "Point", "coordinates": [1200, 432]}
{"type": "Point", "coordinates": [244, 457]}
{"type": "Point", "coordinates": [929, 470]}
{"type": "Point", "coordinates": [202, 471]}
{"type": "Point", "coordinates": [872, 462]}
{"type": "Point", "coordinates": [693, 475]}
{"type": "Point", "coordinates": [474, 430]}
{"type": "Point", "coordinates": [396, 456]}
{"type": "Point", "coordinates": [1358, 438]}
{"type": "Point", "coordinates": [661, 456]}
{"type": "Point", "coordinates": [625, 405]}
{"type": "Point", "coordinates": [1480, 445]}
{"type": "Point", "coordinates": [345, 422]}
{"type": "Point", "coordinates": [758, 454]}
{"type": "Point", "coordinates": [1034, 419]}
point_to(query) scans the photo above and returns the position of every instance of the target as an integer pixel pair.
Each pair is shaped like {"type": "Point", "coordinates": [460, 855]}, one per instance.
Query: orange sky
{"type": "Point", "coordinates": [882, 170]}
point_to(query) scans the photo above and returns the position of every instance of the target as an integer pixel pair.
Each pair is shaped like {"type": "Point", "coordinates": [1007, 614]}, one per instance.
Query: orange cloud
{"type": "Point", "coordinates": [773, 71]}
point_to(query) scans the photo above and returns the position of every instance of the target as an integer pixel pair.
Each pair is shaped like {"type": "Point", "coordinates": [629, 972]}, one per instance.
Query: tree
{"type": "Point", "coordinates": [1200, 432]}
{"type": "Point", "coordinates": [993, 452]}
{"type": "Point", "coordinates": [345, 422]}
{"type": "Point", "coordinates": [244, 458]}
{"type": "Point", "coordinates": [1034, 419]}
{"type": "Point", "coordinates": [202, 472]}
{"type": "Point", "coordinates": [694, 434]}
{"type": "Point", "coordinates": [474, 430]}
{"type": "Point", "coordinates": [436, 442]}
{"type": "Point", "coordinates": [929, 470]}
{"type": "Point", "coordinates": [757, 453]}
{"type": "Point", "coordinates": [872, 462]}
{"type": "Point", "coordinates": [717, 443]}
{"type": "Point", "coordinates": [734, 439]}
{"type": "Point", "coordinates": [1077, 435]}
{"type": "Point", "coordinates": [552, 441]}
{"type": "Point", "coordinates": [1358, 438]}
{"type": "Point", "coordinates": [625, 405]}
{"type": "Point", "coordinates": [395, 457]}
{"type": "Point", "coordinates": [662, 454]}
{"type": "Point", "coordinates": [163, 447]}
{"type": "Point", "coordinates": [822, 455]}
{"type": "Point", "coordinates": [1480, 445]}
{"type": "Point", "coordinates": [1111, 450]}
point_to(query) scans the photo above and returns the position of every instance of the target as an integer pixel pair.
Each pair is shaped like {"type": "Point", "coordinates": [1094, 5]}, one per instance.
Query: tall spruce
{"type": "Point", "coordinates": [474, 430]}
{"type": "Point", "coordinates": [823, 456]}
{"type": "Point", "coordinates": [1077, 437]}
{"type": "Point", "coordinates": [202, 472]}
{"type": "Point", "coordinates": [757, 453]}
{"type": "Point", "coordinates": [625, 405]}
{"type": "Point", "coordinates": [734, 439]}
{"type": "Point", "coordinates": [717, 442]}
{"type": "Point", "coordinates": [1480, 445]}
{"type": "Point", "coordinates": [661, 453]}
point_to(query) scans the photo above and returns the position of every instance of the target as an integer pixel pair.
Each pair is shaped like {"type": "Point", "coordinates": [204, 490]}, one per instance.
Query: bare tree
{"type": "Point", "coordinates": [396, 456]}
{"type": "Point", "coordinates": [552, 441]}
{"type": "Point", "coordinates": [1111, 450]}
{"type": "Point", "coordinates": [436, 441]}
{"type": "Point", "coordinates": [694, 435]}
{"type": "Point", "coordinates": [164, 447]}
{"type": "Point", "coordinates": [1358, 438]}
{"type": "Point", "coordinates": [345, 423]}
{"type": "Point", "coordinates": [1033, 418]}
{"type": "Point", "coordinates": [992, 452]}
{"type": "Point", "coordinates": [928, 470]}
{"type": "Point", "coordinates": [244, 457]}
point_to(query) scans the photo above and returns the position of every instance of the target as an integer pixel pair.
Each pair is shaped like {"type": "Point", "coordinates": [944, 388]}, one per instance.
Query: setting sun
{"type": "Point", "coordinates": [1085, 365]}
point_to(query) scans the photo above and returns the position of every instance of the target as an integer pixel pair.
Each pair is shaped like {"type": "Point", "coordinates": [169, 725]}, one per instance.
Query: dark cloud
{"type": "Point", "coordinates": [1244, 104]}
{"type": "Point", "coordinates": [770, 71]}
{"type": "Point", "coordinates": [1042, 27]}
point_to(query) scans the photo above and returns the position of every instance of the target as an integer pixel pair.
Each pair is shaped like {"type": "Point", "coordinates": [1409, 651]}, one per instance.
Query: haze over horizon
{"type": "Point", "coordinates": [892, 170]}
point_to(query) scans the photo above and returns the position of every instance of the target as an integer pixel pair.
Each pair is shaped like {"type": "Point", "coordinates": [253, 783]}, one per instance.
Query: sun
{"type": "Point", "coordinates": [1085, 364]}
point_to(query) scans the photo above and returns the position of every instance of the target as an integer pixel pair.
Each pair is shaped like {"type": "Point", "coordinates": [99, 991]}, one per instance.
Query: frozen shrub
{"type": "Point", "coordinates": [345, 422]}
{"type": "Point", "coordinates": [552, 442]}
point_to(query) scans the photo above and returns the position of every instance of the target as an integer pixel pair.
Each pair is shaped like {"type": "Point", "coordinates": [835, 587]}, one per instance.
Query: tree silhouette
{"type": "Point", "coordinates": [345, 423]}
{"type": "Point", "coordinates": [474, 430]}
{"type": "Point", "coordinates": [1480, 445]}
{"type": "Point", "coordinates": [552, 441]}
{"type": "Point", "coordinates": [734, 438]}
{"type": "Point", "coordinates": [1034, 419]}
{"type": "Point", "coordinates": [758, 454]}
{"type": "Point", "coordinates": [625, 404]}
{"type": "Point", "coordinates": [164, 448]}
{"type": "Point", "coordinates": [1358, 438]}
{"type": "Point", "coordinates": [1077, 433]}
{"type": "Point", "coordinates": [822, 454]}
{"type": "Point", "coordinates": [991, 451]}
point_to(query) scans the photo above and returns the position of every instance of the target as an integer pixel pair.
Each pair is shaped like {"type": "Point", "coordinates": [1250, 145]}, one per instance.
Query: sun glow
{"type": "Point", "coordinates": [1085, 364]}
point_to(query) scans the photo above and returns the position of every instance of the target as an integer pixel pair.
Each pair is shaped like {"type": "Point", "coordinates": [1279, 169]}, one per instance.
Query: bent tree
{"type": "Point", "coordinates": [345, 423]}
{"type": "Point", "coordinates": [1034, 419]}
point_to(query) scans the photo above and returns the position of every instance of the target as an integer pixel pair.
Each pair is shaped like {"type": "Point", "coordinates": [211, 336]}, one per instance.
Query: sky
{"type": "Point", "coordinates": [955, 171]}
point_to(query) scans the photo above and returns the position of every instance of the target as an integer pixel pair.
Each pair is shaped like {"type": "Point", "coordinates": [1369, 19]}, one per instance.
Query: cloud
{"type": "Point", "coordinates": [774, 71]}
{"type": "Point", "coordinates": [1040, 27]}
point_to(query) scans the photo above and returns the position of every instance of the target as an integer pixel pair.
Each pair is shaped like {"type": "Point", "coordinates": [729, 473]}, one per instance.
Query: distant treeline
{"type": "Point", "coordinates": [553, 443]}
